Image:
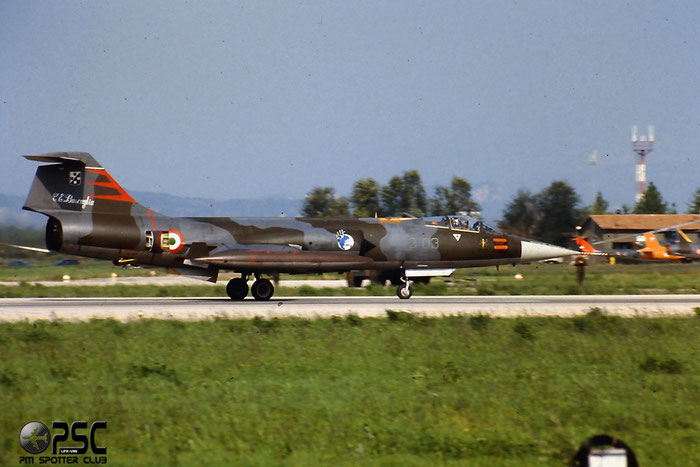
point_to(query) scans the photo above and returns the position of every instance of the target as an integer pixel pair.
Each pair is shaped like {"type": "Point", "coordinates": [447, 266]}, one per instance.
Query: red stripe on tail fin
{"type": "Point", "coordinates": [112, 184]}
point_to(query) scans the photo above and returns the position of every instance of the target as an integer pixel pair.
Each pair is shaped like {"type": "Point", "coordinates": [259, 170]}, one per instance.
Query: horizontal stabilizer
{"type": "Point", "coordinates": [58, 157]}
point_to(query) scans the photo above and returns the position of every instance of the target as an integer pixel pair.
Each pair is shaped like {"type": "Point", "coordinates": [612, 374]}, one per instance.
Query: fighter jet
{"type": "Point", "coordinates": [90, 214]}
{"type": "Point", "coordinates": [653, 250]}
{"type": "Point", "coordinates": [620, 254]}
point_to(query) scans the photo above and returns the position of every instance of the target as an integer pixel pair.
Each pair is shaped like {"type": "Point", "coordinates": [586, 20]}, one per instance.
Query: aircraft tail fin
{"type": "Point", "coordinates": [75, 183]}
{"type": "Point", "coordinates": [584, 246]}
{"type": "Point", "coordinates": [653, 248]}
{"type": "Point", "coordinates": [652, 242]}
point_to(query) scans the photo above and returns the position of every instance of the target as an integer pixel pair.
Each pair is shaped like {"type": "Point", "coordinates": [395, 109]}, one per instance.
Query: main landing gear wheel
{"type": "Point", "coordinates": [237, 288]}
{"type": "Point", "coordinates": [262, 289]}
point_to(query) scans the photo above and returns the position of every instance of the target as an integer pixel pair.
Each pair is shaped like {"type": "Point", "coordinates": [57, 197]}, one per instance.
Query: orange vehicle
{"type": "Point", "coordinates": [655, 251]}
{"type": "Point", "coordinates": [628, 254]}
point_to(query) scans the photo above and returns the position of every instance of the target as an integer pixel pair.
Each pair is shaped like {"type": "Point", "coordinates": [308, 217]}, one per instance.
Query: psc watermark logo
{"type": "Point", "coordinates": [35, 438]}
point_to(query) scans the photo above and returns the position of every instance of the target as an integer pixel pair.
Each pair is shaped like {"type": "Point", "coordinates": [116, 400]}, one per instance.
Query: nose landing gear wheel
{"type": "Point", "coordinates": [404, 292]}
{"type": "Point", "coordinates": [237, 289]}
{"type": "Point", "coordinates": [262, 289]}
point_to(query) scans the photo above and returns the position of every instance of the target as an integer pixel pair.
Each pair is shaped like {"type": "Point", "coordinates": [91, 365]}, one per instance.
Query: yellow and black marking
{"type": "Point", "coordinates": [685, 237]}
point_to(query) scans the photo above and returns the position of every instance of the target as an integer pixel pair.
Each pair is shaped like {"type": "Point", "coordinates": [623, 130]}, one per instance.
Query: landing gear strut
{"type": "Point", "coordinates": [237, 288]}
{"type": "Point", "coordinates": [405, 290]}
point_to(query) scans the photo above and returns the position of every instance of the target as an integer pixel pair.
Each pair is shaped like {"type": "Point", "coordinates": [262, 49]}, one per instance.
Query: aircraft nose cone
{"type": "Point", "coordinates": [533, 251]}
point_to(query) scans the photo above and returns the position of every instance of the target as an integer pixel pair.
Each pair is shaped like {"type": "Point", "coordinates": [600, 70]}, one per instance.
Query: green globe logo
{"type": "Point", "coordinates": [34, 437]}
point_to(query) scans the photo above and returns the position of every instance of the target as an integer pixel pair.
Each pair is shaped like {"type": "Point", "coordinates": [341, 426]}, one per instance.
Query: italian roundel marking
{"type": "Point", "coordinates": [177, 241]}
{"type": "Point", "coordinates": [345, 241]}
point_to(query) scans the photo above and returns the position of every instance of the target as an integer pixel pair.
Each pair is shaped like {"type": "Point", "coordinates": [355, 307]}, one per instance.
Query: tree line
{"type": "Point", "coordinates": [550, 215]}
{"type": "Point", "coordinates": [402, 196]}
{"type": "Point", "coordinates": [553, 214]}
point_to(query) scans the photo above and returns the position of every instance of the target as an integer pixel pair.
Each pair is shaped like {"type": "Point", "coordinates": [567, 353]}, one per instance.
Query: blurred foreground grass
{"type": "Point", "coordinates": [399, 391]}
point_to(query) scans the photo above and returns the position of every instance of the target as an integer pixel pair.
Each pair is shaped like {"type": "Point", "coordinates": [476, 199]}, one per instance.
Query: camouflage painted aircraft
{"type": "Point", "coordinates": [90, 214]}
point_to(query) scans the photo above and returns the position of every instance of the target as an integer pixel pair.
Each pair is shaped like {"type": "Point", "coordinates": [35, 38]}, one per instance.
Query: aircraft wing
{"type": "Point", "coordinates": [285, 258]}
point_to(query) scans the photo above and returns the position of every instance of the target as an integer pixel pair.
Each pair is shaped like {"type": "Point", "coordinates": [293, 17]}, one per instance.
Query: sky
{"type": "Point", "coordinates": [224, 100]}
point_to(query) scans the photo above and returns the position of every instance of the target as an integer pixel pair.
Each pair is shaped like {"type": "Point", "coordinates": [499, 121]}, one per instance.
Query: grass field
{"type": "Point", "coordinates": [87, 269]}
{"type": "Point", "coordinates": [399, 391]}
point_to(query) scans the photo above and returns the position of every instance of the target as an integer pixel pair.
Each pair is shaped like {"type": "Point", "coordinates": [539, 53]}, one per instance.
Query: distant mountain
{"type": "Point", "coordinates": [11, 212]}
{"type": "Point", "coordinates": [177, 206]}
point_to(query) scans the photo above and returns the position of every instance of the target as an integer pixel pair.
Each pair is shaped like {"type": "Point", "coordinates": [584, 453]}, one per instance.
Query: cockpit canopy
{"type": "Point", "coordinates": [459, 223]}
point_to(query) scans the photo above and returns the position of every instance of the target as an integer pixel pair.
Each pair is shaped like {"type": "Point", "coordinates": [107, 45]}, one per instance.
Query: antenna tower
{"type": "Point", "coordinates": [642, 145]}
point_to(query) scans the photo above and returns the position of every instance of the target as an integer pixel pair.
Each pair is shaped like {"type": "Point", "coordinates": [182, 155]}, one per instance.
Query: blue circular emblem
{"type": "Point", "coordinates": [346, 242]}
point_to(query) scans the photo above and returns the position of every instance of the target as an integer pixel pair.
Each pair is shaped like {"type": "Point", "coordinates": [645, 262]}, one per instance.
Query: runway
{"type": "Point", "coordinates": [196, 308]}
